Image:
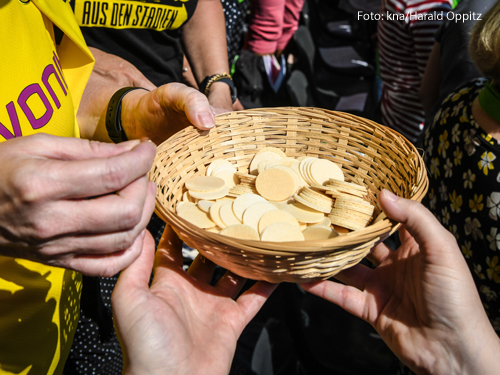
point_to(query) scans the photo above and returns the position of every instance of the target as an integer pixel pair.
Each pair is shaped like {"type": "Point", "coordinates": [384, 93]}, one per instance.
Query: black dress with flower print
{"type": "Point", "coordinates": [464, 192]}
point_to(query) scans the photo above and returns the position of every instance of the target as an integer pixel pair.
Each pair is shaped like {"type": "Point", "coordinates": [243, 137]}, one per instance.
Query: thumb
{"type": "Point", "coordinates": [193, 103]}
{"type": "Point", "coordinates": [138, 274]}
{"type": "Point", "coordinates": [418, 220]}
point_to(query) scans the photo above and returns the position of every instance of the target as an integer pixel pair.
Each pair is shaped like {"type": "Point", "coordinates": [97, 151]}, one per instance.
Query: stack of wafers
{"type": "Point", "coordinates": [282, 199]}
{"type": "Point", "coordinates": [245, 185]}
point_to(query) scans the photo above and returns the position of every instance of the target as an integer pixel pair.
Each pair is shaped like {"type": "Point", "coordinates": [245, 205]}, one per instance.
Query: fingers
{"type": "Point", "coordinates": [355, 276]}
{"type": "Point", "coordinates": [230, 284]}
{"type": "Point", "coordinates": [169, 249]}
{"type": "Point", "coordinates": [378, 254]}
{"type": "Point", "coordinates": [98, 176]}
{"type": "Point", "coordinates": [105, 265]}
{"type": "Point", "coordinates": [190, 101]}
{"type": "Point", "coordinates": [105, 214]}
{"type": "Point", "coordinates": [138, 273]}
{"type": "Point", "coordinates": [136, 276]}
{"type": "Point", "coordinates": [99, 246]}
{"type": "Point", "coordinates": [418, 221]}
{"type": "Point", "coordinates": [202, 269]}
{"type": "Point", "coordinates": [66, 148]}
{"type": "Point", "coordinates": [254, 298]}
{"type": "Point", "coordinates": [237, 106]}
{"type": "Point", "coordinates": [347, 297]}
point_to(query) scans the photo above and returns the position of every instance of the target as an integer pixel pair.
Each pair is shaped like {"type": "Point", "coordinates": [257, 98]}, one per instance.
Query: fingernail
{"type": "Point", "coordinates": [389, 195]}
{"type": "Point", "coordinates": [206, 119]}
{"type": "Point", "coordinates": [146, 139]}
{"type": "Point", "coordinates": [132, 143]}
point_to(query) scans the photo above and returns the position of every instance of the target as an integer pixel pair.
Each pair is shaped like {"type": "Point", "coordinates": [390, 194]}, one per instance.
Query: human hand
{"type": "Point", "coordinates": [76, 204]}
{"type": "Point", "coordinates": [180, 325]}
{"type": "Point", "coordinates": [115, 70]}
{"type": "Point", "coordinates": [164, 111]}
{"type": "Point", "coordinates": [219, 96]}
{"type": "Point", "coordinates": [421, 299]}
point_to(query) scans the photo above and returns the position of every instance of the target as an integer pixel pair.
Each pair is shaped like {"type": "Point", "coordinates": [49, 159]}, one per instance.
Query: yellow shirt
{"type": "Point", "coordinates": [41, 82]}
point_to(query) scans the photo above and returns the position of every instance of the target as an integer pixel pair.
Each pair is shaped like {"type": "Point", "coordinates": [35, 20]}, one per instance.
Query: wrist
{"type": "Point", "coordinates": [465, 354]}
{"type": "Point", "coordinates": [131, 111]}
{"type": "Point", "coordinates": [217, 80]}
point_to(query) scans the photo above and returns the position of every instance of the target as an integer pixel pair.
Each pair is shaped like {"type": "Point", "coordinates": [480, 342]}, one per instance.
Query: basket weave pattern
{"type": "Point", "coordinates": [368, 153]}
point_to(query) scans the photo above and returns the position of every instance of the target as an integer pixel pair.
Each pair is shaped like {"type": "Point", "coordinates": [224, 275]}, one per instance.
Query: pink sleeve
{"type": "Point", "coordinates": [272, 24]}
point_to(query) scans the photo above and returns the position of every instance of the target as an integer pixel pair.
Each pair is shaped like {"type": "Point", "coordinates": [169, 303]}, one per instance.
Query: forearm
{"type": "Point", "coordinates": [429, 88]}
{"type": "Point", "coordinates": [109, 75]}
{"type": "Point", "coordinates": [92, 111]}
{"type": "Point", "coordinates": [204, 39]}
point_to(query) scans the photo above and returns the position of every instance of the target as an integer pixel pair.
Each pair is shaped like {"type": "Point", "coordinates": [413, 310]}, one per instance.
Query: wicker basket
{"type": "Point", "coordinates": [369, 154]}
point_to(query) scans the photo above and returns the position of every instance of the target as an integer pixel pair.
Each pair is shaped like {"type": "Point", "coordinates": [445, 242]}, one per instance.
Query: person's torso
{"type": "Point", "coordinates": [464, 189]}
{"type": "Point", "coordinates": [406, 36]}
{"type": "Point", "coordinates": [145, 33]}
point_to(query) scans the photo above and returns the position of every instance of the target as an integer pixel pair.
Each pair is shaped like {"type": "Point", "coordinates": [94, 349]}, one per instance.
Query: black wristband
{"type": "Point", "coordinates": [113, 115]}
{"type": "Point", "coordinates": [207, 82]}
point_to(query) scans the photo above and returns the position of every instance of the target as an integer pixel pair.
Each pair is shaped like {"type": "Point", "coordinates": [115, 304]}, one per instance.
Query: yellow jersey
{"type": "Point", "coordinates": [42, 81]}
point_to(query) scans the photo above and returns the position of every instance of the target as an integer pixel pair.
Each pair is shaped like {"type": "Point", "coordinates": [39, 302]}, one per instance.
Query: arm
{"type": "Point", "coordinates": [204, 39]}
{"type": "Point", "coordinates": [119, 71]}
{"type": "Point", "coordinates": [180, 324]}
{"type": "Point", "coordinates": [421, 298]}
{"type": "Point", "coordinates": [157, 114]}
{"type": "Point", "coordinates": [431, 81]}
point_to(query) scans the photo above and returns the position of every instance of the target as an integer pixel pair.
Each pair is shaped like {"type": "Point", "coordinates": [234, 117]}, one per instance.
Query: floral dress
{"type": "Point", "coordinates": [463, 166]}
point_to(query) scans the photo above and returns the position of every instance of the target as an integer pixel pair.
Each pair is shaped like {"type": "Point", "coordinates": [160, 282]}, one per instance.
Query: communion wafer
{"type": "Point", "coordinates": [293, 173]}
{"type": "Point", "coordinates": [229, 177]}
{"type": "Point", "coordinates": [348, 219]}
{"type": "Point", "coordinates": [276, 184]}
{"type": "Point", "coordinates": [227, 215]}
{"type": "Point", "coordinates": [240, 231]}
{"type": "Point", "coordinates": [215, 213]}
{"type": "Point", "coordinates": [322, 170]}
{"type": "Point", "coordinates": [295, 167]}
{"type": "Point", "coordinates": [215, 164]}
{"type": "Point", "coordinates": [326, 222]}
{"type": "Point", "coordinates": [325, 209]}
{"type": "Point", "coordinates": [358, 206]}
{"type": "Point", "coordinates": [262, 166]}
{"type": "Point", "coordinates": [346, 184]}
{"type": "Point", "coordinates": [196, 216]}
{"type": "Point", "coordinates": [282, 232]}
{"type": "Point", "coordinates": [254, 212]}
{"type": "Point", "coordinates": [318, 233]}
{"type": "Point", "coordinates": [182, 204]}
{"type": "Point", "coordinates": [205, 205]}
{"type": "Point", "coordinates": [242, 202]}
{"type": "Point", "coordinates": [223, 168]}
{"type": "Point", "coordinates": [304, 169]}
{"type": "Point", "coordinates": [303, 213]}
{"type": "Point", "coordinates": [222, 192]}
{"type": "Point", "coordinates": [204, 184]}
{"type": "Point", "coordinates": [266, 155]}
{"type": "Point", "coordinates": [276, 216]}
{"type": "Point", "coordinates": [272, 149]}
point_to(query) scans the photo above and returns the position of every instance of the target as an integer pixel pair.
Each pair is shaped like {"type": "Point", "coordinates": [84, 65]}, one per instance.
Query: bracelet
{"type": "Point", "coordinates": [222, 77]}
{"type": "Point", "coordinates": [113, 115]}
